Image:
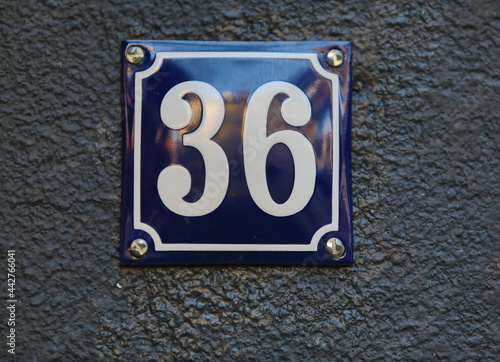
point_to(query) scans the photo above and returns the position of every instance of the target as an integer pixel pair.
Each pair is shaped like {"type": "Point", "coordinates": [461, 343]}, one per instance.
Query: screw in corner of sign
{"type": "Point", "coordinates": [335, 248]}
{"type": "Point", "coordinates": [138, 248]}
{"type": "Point", "coordinates": [135, 54]}
{"type": "Point", "coordinates": [335, 58]}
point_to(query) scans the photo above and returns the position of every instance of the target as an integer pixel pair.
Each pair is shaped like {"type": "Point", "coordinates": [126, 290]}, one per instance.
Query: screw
{"type": "Point", "coordinates": [335, 248]}
{"type": "Point", "coordinates": [335, 58]}
{"type": "Point", "coordinates": [135, 54]}
{"type": "Point", "coordinates": [139, 248]}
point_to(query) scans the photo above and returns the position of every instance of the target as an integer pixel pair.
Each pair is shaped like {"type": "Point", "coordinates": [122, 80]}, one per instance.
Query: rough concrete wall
{"type": "Point", "coordinates": [426, 164]}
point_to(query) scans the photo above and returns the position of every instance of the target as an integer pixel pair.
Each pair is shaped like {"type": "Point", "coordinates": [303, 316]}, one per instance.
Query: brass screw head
{"type": "Point", "coordinates": [135, 54]}
{"type": "Point", "coordinates": [335, 58]}
{"type": "Point", "coordinates": [335, 248]}
{"type": "Point", "coordinates": [139, 248]}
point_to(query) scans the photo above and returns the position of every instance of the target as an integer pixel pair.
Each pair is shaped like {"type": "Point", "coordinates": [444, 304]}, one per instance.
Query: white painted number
{"type": "Point", "coordinates": [296, 111]}
{"type": "Point", "coordinates": [174, 182]}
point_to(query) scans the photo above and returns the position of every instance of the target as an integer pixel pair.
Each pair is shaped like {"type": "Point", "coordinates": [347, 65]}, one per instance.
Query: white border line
{"type": "Point", "coordinates": [312, 246]}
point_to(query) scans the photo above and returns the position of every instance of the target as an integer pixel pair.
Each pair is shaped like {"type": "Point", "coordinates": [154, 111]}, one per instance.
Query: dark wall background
{"type": "Point", "coordinates": [426, 125]}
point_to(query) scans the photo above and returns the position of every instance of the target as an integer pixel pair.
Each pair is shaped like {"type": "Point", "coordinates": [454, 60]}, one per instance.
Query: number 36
{"type": "Point", "coordinates": [174, 182]}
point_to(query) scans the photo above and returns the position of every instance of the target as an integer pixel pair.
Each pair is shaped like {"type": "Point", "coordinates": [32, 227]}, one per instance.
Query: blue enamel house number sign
{"type": "Point", "coordinates": [236, 153]}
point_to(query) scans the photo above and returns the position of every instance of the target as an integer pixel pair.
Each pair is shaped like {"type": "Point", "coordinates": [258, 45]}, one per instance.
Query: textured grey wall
{"type": "Point", "coordinates": [426, 125]}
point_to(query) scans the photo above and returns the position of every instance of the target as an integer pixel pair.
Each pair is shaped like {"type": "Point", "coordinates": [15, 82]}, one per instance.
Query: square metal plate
{"type": "Point", "coordinates": [236, 153]}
